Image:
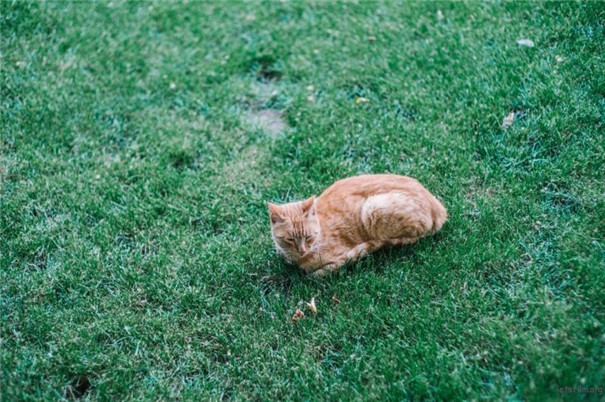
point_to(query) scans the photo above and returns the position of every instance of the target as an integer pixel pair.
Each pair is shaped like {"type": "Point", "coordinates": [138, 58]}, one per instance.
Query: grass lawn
{"type": "Point", "coordinates": [140, 143]}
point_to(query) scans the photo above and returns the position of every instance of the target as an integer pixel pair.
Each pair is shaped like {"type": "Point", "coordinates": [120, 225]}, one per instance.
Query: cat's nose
{"type": "Point", "coordinates": [303, 248]}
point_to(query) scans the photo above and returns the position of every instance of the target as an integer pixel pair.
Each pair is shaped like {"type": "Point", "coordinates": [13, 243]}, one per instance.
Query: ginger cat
{"type": "Point", "coordinates": [352, 218]}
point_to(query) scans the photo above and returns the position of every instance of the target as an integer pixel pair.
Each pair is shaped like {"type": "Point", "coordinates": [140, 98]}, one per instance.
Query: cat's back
{"type": "Point", "coordinates": [371, 184]}
{"type": "Point", "coordinates": [348, 198]}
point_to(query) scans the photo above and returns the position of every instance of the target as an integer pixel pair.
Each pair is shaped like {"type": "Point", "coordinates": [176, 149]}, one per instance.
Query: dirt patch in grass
{"type": "Point", "coordinates": [78, 388]}
{"type": "Point", "coordinates": [269, 120]}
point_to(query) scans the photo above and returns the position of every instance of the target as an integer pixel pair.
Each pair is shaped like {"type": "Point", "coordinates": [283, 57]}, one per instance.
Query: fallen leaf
{"type": "Point", "coordinates": [298, 315]}
{"type": "Point", "coordinates": [335, 300]}
{"type": "Point", "coordinates": [559, 59]}
{"type": "Point", "coordinates": [508, 120]}
{"type": "Point", "coordinates": [312, 306]}
{"type": "Point", "coordinates": [439, 15]}
{"type": "Point", "coordinates": [371, 38]}
{"type": "Point", "coordinates": [360, 99]}
{"type": "Point", "coordinates": [310, 87]}
{"type": "Point", "coordinates": [525, 42]}
{"type": "Point", "coordinates": [172, 85]}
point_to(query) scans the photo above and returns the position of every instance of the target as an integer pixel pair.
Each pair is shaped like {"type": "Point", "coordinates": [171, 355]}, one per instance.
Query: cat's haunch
{"type": "Point", "coordinates": [354, 217]}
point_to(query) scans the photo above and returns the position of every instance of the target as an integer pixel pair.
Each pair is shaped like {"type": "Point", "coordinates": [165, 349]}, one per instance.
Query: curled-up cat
{"type": "Point", "coordinates": [354, 217]}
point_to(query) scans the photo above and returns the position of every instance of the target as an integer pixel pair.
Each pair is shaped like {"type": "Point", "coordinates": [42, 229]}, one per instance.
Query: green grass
{"type": "Point", "coordinates": [136, 258]}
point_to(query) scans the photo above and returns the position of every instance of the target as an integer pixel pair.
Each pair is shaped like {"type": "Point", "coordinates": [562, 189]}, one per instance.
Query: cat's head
{"type": "Point", "coordinates": [295, 227]}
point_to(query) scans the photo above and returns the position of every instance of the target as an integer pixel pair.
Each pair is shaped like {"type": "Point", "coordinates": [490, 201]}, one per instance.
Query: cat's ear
{"type": "Point", "coordinates": [275, 213]}
{"type": "Point", "coordinates": [309, 206]}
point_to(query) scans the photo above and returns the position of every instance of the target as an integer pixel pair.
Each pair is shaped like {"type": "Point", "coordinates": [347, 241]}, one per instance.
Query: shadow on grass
{"type": "Point", "coordinates": [377, 262]}
{"type": "Point", "coordinates": [380, 260]}
{"type": "Point", "coordinates": [283, 280]}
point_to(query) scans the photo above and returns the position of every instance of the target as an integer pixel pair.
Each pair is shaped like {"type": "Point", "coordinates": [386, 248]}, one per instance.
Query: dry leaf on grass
{"type": "Point", "coordinates": [297, 316]}
{"type": "Point", "coordinates": [508, 120]}
{"type": "Point", "coordinates": [525, 42]}
{"type": "Point", "coordinates": [312, 306]}
{"type": "Point", "coordinates": [335, 300]}
{"type": "Point", "coordinates": [439, 15]}
{"type": "Point", "coordinates": [360, 99]}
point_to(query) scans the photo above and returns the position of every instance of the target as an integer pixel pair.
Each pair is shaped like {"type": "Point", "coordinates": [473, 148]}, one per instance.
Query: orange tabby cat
{"type": "Point", "coordinates": [352, 218]}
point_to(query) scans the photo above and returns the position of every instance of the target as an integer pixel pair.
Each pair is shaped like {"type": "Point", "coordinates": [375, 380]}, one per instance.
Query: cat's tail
{"type": "Point", "coordinates": [439, 215]}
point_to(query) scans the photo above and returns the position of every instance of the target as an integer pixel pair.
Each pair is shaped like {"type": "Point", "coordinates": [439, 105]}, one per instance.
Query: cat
{"type": "Point", "coordinates": [354, 217]}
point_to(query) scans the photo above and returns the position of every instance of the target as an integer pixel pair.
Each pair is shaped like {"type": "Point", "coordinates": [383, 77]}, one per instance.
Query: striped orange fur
{"type": "Point", "coordinates": [354, 217]}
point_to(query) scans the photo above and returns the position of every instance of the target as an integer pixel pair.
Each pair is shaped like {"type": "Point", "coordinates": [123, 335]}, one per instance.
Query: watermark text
{"type": "Point", "coordinates": [580, 389]}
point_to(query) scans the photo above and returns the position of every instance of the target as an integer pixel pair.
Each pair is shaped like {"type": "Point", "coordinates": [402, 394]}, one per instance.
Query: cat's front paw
{"type": "Point", "coordinates": [326, 270]}
{"type": "Point", "coordinates": [320, 273]}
